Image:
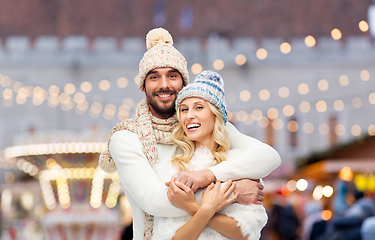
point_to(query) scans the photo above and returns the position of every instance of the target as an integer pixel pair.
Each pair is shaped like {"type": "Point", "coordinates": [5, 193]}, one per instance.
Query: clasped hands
{"type": "Point", "coordinates": [248, 191]}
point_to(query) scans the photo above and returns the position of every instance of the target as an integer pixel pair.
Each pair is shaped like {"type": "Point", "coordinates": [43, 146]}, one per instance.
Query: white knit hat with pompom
{"type": "Point", "coordinates": [161, 54]}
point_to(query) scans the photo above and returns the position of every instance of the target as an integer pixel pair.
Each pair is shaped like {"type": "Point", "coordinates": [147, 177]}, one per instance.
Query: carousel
{"type": "Point", "coordinates": [70, 196]}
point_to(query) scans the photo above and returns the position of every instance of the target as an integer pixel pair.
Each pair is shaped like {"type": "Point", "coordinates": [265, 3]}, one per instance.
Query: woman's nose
{"type": "Point", "coordinates": [190, 114]}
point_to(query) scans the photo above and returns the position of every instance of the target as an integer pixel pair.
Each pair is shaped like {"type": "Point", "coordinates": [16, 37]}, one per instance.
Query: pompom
{"type": "Point", "coordinates": [158, 35]}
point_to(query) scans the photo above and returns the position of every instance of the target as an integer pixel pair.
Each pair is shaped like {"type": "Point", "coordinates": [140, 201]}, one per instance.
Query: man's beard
{"type": "Point", "coordinates": [162, 107]}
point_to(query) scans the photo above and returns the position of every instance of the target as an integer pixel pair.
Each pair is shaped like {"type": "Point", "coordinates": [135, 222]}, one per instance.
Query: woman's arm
{"type": "Point", "coordinates": [214, 199]}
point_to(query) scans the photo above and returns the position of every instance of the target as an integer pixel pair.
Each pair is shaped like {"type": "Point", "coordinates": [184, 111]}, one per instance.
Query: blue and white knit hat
{"type": "Point", "coordinates": [209, 86]}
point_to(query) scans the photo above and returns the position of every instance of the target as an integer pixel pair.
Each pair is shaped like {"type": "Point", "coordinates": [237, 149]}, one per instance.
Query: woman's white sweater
{"type": "Point", "coordinates": [251, 219]}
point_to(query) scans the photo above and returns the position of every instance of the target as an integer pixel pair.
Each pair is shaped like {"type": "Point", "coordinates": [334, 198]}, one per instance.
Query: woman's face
{"type": "Point", "coordinates": [197, 121]}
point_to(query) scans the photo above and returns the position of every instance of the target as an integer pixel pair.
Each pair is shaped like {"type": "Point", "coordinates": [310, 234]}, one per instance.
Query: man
{"type": "Point", "coordinates": [136, 144]}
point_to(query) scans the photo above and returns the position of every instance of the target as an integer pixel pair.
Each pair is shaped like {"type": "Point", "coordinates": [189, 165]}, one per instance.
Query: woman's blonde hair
{"type": "Point", "coordinates": [220, 135]}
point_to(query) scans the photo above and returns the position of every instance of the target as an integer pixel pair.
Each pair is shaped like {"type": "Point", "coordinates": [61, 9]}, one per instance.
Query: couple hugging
{"type": "Point", "coordinates": [185, 170]}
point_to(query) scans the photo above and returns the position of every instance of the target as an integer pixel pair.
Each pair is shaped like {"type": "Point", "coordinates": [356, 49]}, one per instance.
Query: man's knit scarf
{"type": "Point", "coordinates": [151, 130]}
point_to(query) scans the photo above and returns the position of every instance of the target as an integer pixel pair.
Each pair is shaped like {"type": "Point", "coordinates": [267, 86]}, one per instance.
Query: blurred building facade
{"type": "Point", "coordinates": [298, 75]}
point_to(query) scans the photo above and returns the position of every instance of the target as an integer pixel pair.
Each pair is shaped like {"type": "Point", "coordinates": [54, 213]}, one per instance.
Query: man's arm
{"type": "Point", "coordinates": [138, 177]}
{"type": "Point", "coordinates": [255, 161]}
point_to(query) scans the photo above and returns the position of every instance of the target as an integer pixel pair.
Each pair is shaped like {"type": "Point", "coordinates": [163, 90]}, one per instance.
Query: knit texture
{"type": "Point", "coordinates": [161, 54]}
{"type": "Point", "coordinates": [151, 130]}
{"type": "Point", "coordinates": [209, 86]}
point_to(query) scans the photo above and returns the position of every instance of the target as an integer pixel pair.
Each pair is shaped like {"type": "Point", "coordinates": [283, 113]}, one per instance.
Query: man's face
{"type": "Point", "coordinates": [161, 87]}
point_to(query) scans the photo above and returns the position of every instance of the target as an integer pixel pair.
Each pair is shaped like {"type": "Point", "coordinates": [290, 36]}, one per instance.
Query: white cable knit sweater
{"type": "Point", "coordinates": [251, 219]}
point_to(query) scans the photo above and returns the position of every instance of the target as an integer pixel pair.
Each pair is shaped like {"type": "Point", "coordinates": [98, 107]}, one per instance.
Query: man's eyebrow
{"type": "Point", "coordinates": [151, 72]}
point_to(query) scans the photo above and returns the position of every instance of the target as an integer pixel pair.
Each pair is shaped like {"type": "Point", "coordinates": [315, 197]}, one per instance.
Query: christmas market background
{"type": "Point", "coordinates": [298, 76]}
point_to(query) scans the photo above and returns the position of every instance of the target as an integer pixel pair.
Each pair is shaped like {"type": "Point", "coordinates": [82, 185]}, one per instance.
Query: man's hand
{"type": "Point", "coordinates": [249, 192]}
{"type": "Point", "coordinates": [195, 179]}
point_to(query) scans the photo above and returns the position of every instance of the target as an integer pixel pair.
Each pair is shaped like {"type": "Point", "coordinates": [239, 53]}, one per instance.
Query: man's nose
{"type": "Point", "coordinates": [164, 83]}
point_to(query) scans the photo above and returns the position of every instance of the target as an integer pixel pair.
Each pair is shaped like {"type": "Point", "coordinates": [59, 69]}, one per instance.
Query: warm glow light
{"type": "Point", "coordinates": [303, 88]}
{"type": "Point", "coordinates": [338, 105]}
{"type": "Point", "coordinates": [17, 85]}
{"type": "Point", "coordinates": [365, 75]}
{"type": "Point", "coordinates": [291, 185]}
{"type": "Point", "coordinates": [302, 184]}
{"type": "Point", "coordinates": [356, 130]}
{"type": "Point", "coordinates": [285, 48]}
{"type": "Point", "coordinates": [218, 64]}
{"type": "Point", "coordinates": [371, 130]}
{"type": "Point", "coordinates": [263, 122]}
{"type": "Point", "coordinates": [346, 174]}
{"type": "Point", "coordinates": [264, 94]}
{"type": "Point", "coordinates": [308, 128]}
{"type": "Point", "coordinates": [321, 106]}
{"type": "Point", "coordinates": [79, 97]}
{"type": "Point", "coordinates": [6, 81]}
{"type": "Point", "coordinates": [7, 93]}
{"type": "Point", "coordinates": [277, 124]}
{"type": "Point", "coordinates": [323, 85]}
{"type": "Point", "coordinates": [242, 116]}
{"type": "Point", "coordinates": [96, 107]}
{"type": "Point", "coordinates": [69, 88]}
{"type": "Point", "coordinates": [122, 82]}
{"type": "Point", "coordinates": [304, 107]}
{"type": "Point", "coordinates": [257, 114]}
{"type": "Point", "coordinates": [284, 92]}
{"type": "Point", "coordinates": [64, 98]}
{"type": "Point", "coordinates": [196, 68]}
{"type": "Point", "coordinates": [86, 87]}
{"type": "Point", "coordinates": [363, 26]}
{"type": "Point", "coordinates": [245, 95]}
{"type": "Point", "coordinates": [293, 126]}
{"type": "Point", "coordinates": [104, 85]}
{"type": "Point", "coordinates": [357, 102]}
{"type": "Point", "coordinates": [327, 191]}
{"type": "Point", "coordinates": [318, 192]}
{"type": "Point", "coordinates": [339, 129]}
{"type": "Point", "coordinates": [326, 215]}
{"type": "Point", "coordinates": [249, 120]}
{"type": "Point", "coordinates": [371, 98]}
{"type": "Point", "coordinates": [336, 34]}
{"type": "Point", "coordinates": [344, 80]}
{"type": "Point", "coordinates": [261, 53]}
{"type": "Point", "coordinates": [54, 90]}
{"type": "Point", "coordinates": [272, 113]}
{"type": "Point", "coordinates": [324, 129]}
{"type": "Point", "coordinates": [128, 102]}
{"type": "Point", "coordinates": [310, 41]}
{"type": "Point", "coordinates": [9, 177]}
{"type": "Point", "coordinates": [288, 110]}
{"type": "Point", "coordinates": [240, 59]}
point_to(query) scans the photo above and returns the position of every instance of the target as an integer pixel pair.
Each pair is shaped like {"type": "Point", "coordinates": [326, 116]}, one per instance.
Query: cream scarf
{"type": "Point", "coordinates": [151, 130]}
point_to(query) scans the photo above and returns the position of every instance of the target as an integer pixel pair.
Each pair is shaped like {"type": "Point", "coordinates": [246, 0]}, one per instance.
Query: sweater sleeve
{"type": "Point", "coordinates": [256, 160]}
{"type": "Point", "coordinates": [138, 177]}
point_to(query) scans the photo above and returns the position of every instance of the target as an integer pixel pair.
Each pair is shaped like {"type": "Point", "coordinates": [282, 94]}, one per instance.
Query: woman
{"type": "Point", "coordinates": [203, 140]}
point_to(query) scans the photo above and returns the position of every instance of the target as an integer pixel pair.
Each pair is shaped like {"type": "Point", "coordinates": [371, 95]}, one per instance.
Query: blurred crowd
{"type": "Point", "coordinates": [353, 217]}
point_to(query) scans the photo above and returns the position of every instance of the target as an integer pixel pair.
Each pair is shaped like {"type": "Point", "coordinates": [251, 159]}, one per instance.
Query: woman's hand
{"type": "Point", "coordinates": [182, 197]}
{"type": "Point", "coordinates": [214, 199]}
